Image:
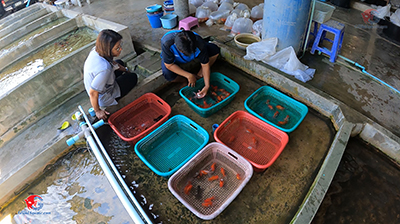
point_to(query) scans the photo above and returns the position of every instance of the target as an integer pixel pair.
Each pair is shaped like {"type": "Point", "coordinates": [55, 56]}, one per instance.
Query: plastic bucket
{"type": "Point", "coordinates": [169, 21]}
{"type": "Point", "coordinates": [154, 19]}
{"type": "Point", "coordinates": [153, 8]}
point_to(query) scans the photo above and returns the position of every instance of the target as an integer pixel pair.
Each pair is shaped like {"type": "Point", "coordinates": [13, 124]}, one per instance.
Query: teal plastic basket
{"type": "Point", "coordinates": [171, 145]}
{"type": "Point", "coordinates": [216, 79]}
{"type": "Point", "coordinates": [257, 105]}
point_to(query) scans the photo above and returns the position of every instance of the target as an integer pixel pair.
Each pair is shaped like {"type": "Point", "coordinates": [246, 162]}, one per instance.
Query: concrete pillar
{"type": "Point", "coordinates": [181, 8]}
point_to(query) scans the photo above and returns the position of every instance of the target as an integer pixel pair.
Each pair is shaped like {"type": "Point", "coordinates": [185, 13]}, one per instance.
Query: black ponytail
{"type": "Point", "coordinates": [185, 41]}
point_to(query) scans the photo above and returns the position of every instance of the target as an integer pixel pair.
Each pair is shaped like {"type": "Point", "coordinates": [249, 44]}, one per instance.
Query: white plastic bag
{"type": "Point", "coordinates": [256, 13]}
{"type": "Point", "coordinates": [213, 1]}
{"type": "Point", "coordinates": [286, 61]}
{"type": "Point", "coordinates": [227, 1]}
{"type": "Point", "coordinates": [261, 50]}
{"type": "Point", "coordinates": [257, 27]}
{"type": "Point", "coordinates": [395, 18]}
{"type": "Point", "coordinates": [381, 12]}
{"type": "Point", "coordinates": [237, 12]}
{"type": "Point", "coordinates": [219, 16]}
{"type": "Point", "coordinates": [196, 3]}
{"type": "Point", "coordinates": [230, 20]}
{"type": "Point", "coordinates": [211, 5]}
{"type": "Point", "coordinates": [246, 14]}
{"type": "Point", "coordinates": [242, 25]}
{"type": "Point", "coordinates": [203, 13]}
{"type": "Point", "coordinates": [242, 7]}
{"type": "Point", "coordinates": [225, 6]}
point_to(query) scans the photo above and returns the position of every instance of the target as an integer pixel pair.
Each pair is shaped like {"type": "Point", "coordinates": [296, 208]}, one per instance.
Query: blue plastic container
{"type": "Point", "coordinates": [153, 8]}
{"type": "Point", "coordinates": [216, 79]}
{"type": "Point", "coordinates": [257, 105]}
{"type": "Point", "coordinates": [169, 21]}
{"type": "Point", "coordinates": [154, 19]}
{"type": "Point", "coordinates": [171, 145]}
{"type": "Point", "coordinates": [287, 20]}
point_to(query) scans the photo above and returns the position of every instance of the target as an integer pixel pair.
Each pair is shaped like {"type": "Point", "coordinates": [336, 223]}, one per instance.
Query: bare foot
{"type": "Point", "coordinates": [182, 80]}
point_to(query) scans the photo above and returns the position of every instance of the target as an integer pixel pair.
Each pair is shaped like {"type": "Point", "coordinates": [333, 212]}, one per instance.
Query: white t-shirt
{"type": "Point", "coordinates": [99, 75]}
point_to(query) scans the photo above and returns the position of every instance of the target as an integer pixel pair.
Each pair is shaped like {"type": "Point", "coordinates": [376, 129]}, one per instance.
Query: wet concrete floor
{"type": "Point", "coordinates": [272, 196]}
{"type": "Point", "coordinates": [362, 43]}
{"type": "Point", "coordinates": [364, 189]}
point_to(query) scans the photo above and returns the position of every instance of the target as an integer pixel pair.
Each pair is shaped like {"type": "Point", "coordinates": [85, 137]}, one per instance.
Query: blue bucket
{"type": "Point", "coordinates": [154, 19]}
{"type": "Point", "coordinates": [169, 21]}
{"type": "Point", "coordinates": [153, 8]}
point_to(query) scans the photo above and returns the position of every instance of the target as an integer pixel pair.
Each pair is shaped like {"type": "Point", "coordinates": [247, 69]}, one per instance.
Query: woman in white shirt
{"type": "Point", "coordinates": [106, 81]}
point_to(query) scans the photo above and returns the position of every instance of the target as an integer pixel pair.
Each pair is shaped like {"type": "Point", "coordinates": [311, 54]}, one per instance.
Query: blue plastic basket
{"type": "Point", "coordinates": [171, 145]}
{"type": "Point", "coordinates": [216, 79]}
{"type": "Point", "coordinates": [257, 105]}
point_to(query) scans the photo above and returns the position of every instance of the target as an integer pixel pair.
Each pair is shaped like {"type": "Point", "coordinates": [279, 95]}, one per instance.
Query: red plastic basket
{"type": "Point", "coordinates": [139, 118]}
{"type": "Point", "coordinates": [255, 140]}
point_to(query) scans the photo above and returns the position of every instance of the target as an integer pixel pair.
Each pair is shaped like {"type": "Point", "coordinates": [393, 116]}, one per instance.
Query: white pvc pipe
{"type": "Point", "coordinates": [134, 210]}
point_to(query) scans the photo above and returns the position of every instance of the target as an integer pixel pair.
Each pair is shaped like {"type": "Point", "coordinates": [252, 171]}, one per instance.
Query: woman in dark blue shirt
{"type": "Point", "coordinates": [181, 47]}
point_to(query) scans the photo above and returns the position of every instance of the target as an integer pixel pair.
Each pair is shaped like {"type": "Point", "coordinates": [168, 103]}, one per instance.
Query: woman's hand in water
{"type": "Point", "coordinates": [102, 114]}
{"type": "Point", "coordinates": [202, 93]}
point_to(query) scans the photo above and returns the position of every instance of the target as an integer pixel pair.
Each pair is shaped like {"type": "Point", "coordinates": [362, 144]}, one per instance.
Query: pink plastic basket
{"type": "Point", "coordinates": [223, 157]}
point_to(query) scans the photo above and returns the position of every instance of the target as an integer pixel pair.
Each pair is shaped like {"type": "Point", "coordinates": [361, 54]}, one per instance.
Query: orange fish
{"type": "Point", "coordinates": [285, 121]}
{"type": "Point", "coordinates": [203, 172]}
{"type": "Point", "coordinates": [213, 178]}
{"type": "Point", "coordinates": [249, 131]}
{"type": "Point", "coordinates": [213, 167]}
{"type": "Point", "coordinates": [279, 107]}
{"type": "Point", "coordinates": [231, 139]}
{"type": "Point", "coordinates": [223, 172]}
{"type": "Point", "coordinates": [208, 202]}
{"type": "Point", "coordinates": [214, 94]}
{"type": "Point", "coordinates": [209, 199]}
{"type": "Point", "coordinates": [254, 140]}
{"type": "Point", "coordinates": [276, 114]}
{"type": "Point", "coordinates": [188, 187]}
{"type": "Point", "coordinates": [214, 87]}
{"type": "Point", "coordinates": [238, 176]}
{"type": "Point", "coordinates": [221, 182]}
{"type": "Point", "coordinates": [270, 107]}
{"type": "Point", "coordinates": [267, 102]}
{"type": "Point", "coordinates": [282, 122]}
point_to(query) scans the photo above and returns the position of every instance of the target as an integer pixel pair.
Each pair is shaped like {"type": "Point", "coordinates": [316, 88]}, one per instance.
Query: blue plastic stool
{"type": "Point", "coordinates": [313, 33]}
{"type": "Point", "coordinates": [337, 29]}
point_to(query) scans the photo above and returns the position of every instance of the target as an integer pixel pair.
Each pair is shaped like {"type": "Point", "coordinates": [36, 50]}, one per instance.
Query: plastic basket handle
{"type": "Point", "coordinates": [160, 102]}
{"type": "Point", "coordinates": [193, 126]}
{"type": "Point", "coordinates": [227, 81]}
{"type": "Point", "coordinates": [236, 158]}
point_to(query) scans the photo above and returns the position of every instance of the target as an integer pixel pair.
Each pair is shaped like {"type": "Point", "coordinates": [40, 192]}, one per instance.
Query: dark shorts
{"type": "Point", "coordinates": [126, 81]}
{"type": "Point", "coordinates": [212, 50]}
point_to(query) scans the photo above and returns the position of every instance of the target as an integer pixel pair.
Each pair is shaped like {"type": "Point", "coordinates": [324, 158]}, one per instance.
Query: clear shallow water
{"type": "Point", "coordinates": [27, 67]}
{"type": "Point", "coordinates": [74, 190]}
{"type": "Point", "coordinates": [31, 35]}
